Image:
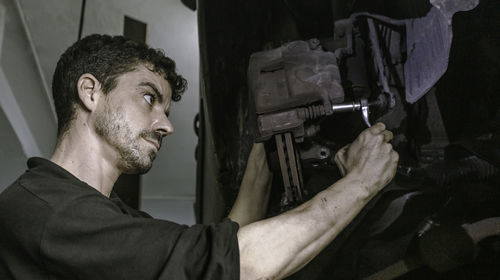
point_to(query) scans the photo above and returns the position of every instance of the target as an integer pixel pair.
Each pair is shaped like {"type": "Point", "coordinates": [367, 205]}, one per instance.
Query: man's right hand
{"type": "Point", "coordinates": [276, 247]}
{"type": "Point", "coordinates": [370, 157]}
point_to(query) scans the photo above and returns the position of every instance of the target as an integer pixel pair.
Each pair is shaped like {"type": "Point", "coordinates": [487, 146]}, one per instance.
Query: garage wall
{"type": "Point", "coordinates": [27, 121]}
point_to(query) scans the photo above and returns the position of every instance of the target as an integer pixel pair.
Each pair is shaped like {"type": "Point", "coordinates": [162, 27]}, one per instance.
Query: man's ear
{"type": "Point", "coordinates": [89, 91]}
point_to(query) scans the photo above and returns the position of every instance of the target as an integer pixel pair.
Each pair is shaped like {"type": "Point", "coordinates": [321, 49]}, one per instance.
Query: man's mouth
{"type": "Point", "coordinates": [154, 143]}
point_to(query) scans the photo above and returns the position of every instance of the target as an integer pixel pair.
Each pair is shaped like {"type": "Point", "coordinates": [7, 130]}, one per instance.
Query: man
{"type": "Point", "coordinates": [61, 220]}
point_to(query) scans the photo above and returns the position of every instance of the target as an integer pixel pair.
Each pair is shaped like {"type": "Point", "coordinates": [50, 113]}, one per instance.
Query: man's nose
{"type": "Point", "coordinates": [162, 125]}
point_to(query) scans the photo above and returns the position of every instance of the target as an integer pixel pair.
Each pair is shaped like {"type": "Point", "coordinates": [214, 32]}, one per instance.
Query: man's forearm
{"type": "Point", "coordinates": [276, 247]}
{"type": "Point", "coordinates": [252, 200]}
{"type": "Point", "coordinates": [253, 197]}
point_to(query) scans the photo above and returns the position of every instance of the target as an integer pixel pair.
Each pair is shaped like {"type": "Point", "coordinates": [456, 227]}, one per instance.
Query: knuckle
{"type": "Point", "coordinates": [364, 133]}
{"type": "Point", "coordinates": [388, 147]}
{"type": "Point", "coordinates": [395, 155]}
{"type": "Point", "coordinates": [378, 138]}
{"type": "Point", "coordinates": [389, 135]}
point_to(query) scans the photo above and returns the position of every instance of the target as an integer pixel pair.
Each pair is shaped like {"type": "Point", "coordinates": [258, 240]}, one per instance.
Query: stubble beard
{"type": "Point", "coordinates": [112, 126]}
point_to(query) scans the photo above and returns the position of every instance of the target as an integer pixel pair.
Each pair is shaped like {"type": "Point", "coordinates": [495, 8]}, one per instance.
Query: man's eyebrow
{"type": "Point", "coordinates": [159, 96]}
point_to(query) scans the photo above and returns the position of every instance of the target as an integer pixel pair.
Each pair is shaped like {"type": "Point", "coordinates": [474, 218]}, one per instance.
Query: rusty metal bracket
{"type": "Point", "coordinates": [290, 170]}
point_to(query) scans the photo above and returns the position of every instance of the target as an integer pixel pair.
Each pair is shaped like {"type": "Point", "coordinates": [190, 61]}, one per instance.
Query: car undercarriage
{"type": "Point", "coordinates": [306, 77]}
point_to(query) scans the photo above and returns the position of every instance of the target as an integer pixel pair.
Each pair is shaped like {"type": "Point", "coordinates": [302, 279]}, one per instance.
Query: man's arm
{"type": "Point", "coordinates": [253, 197]}
{"type": "Point", "coordinates": [277, 247]}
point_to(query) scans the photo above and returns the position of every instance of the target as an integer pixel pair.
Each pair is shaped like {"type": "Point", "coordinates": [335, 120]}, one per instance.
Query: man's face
{"type": "Point", "coordinates": [132, 119]}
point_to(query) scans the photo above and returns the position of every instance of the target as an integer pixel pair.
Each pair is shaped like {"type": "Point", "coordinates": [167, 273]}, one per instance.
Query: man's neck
{"type": "Point", "coordinates": [83, 155]}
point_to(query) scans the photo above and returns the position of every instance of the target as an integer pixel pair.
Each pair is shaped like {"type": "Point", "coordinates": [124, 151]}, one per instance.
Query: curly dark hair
{"type": "Point", "coordinates": [106, 57]}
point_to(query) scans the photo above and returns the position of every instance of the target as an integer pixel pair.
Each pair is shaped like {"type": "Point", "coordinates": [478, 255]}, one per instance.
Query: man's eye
{"type": "Point", "coordinates": [149, 98]}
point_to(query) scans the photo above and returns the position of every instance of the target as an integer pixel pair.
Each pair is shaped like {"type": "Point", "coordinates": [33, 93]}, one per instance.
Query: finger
{"type": "Point", "coordinates": [395, 156]}
{"type": "Point", "coordinates": [377, 128]}
{"type": "Point", "coordinates": [387, 148]}
{"type": "Point", "coordinates": [388, 136]}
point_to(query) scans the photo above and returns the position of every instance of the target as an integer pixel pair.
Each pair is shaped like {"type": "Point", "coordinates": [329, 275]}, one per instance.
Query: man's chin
{"type": "Point", "coordinates": [138, 169]}
{"type": "Point", "coordinates": [139, 166]}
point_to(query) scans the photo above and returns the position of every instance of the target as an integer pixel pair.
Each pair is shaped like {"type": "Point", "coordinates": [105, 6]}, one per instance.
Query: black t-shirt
{"type": "Point", "coordinates": [54, 226]}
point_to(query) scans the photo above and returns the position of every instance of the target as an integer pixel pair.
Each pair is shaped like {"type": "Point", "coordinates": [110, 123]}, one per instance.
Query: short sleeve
{"type": "Point", "coordinates": [89, 238]}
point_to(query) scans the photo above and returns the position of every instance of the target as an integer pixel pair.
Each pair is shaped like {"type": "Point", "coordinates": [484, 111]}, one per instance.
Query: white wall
{"type": "Point", "coordinates": [12, 158]}
{"type": "Point", "coordinates": [53, 26]}
{"type": "Point", "coordinates": [27, 122]}
{"type": "Point", "coordinates": [169, 188]}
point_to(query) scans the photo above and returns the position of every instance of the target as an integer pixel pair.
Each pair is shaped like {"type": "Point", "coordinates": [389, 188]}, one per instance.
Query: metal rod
{"type": "Point", "coordinates": [82, 16]}
{"type": "Point", "coordinates": [346, 107]}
